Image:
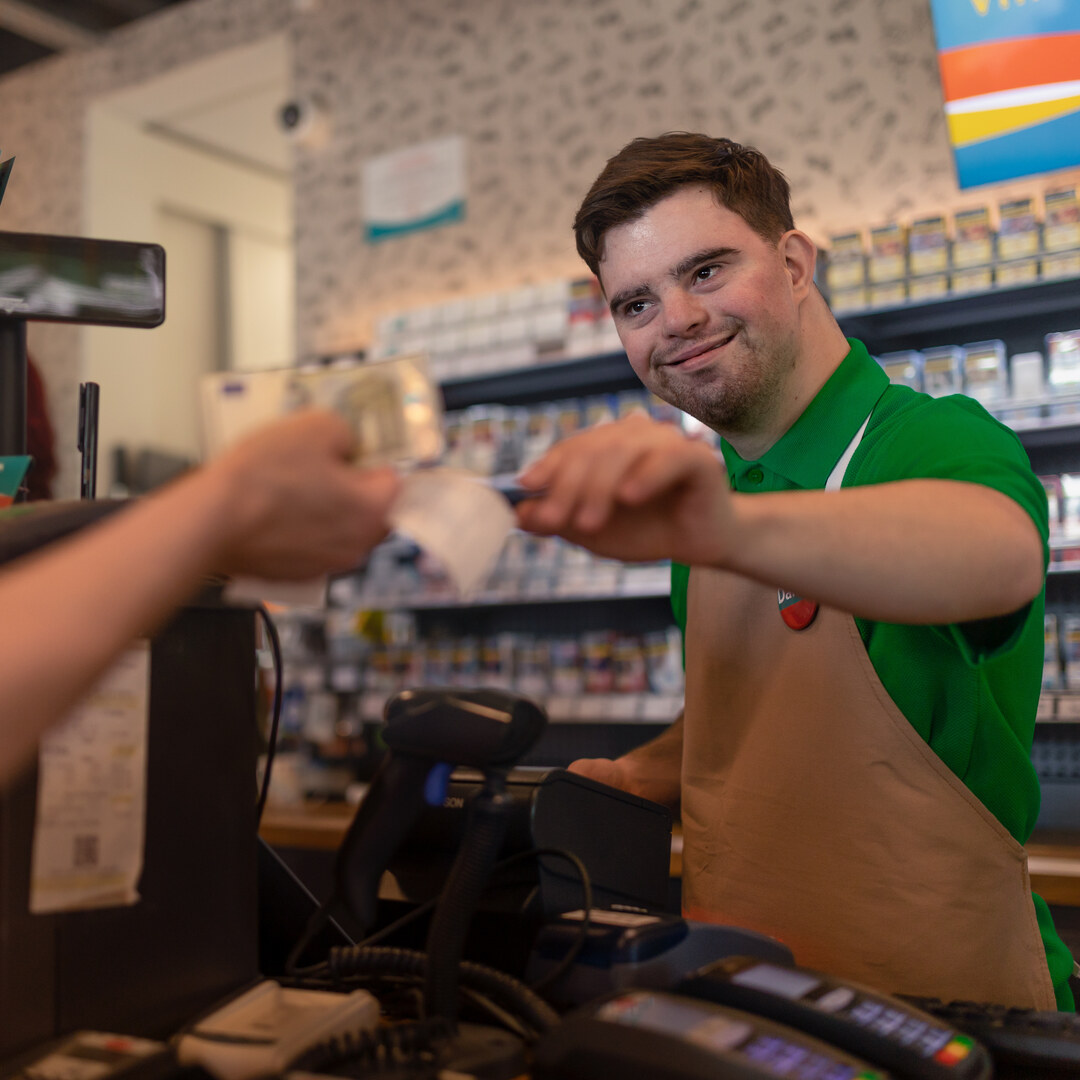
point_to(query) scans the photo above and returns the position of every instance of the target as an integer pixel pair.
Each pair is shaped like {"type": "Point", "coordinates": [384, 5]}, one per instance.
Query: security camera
{"type": "Point", "coordinates": [306, 121]}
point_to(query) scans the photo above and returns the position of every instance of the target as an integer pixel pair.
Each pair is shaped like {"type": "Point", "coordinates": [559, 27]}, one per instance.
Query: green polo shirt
{"type": "Point", "coordinates": [970, 690]}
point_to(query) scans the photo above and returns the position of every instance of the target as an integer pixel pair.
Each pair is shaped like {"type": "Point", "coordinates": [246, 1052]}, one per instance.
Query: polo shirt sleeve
{"type": "Point", "coordinates": [680, 582]}
{"type": "Point", "coordinates": [955, 438]}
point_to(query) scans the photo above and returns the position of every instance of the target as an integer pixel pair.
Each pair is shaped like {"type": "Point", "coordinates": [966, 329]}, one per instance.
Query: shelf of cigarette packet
{"type": "Point", "coordinates": [1020, 313]}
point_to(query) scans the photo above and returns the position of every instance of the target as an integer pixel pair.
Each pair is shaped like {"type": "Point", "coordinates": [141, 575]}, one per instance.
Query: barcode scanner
{"type": "Point", "coordinates": [427, 733]}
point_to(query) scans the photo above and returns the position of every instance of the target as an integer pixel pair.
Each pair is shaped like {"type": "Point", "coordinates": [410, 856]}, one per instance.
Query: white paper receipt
{"type": "Point", "coordinates": [91, 798]}
{"type": "Point", "coordinates": [458, 518]}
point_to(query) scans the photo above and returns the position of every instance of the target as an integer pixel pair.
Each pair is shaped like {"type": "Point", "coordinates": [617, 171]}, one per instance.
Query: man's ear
{"type": "Point", "coordinates": [800, 258]}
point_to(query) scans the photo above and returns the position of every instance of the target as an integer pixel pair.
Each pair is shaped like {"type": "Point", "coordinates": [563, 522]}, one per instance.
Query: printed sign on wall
{"type": "Point", "coordinates": [420, 187]}
{"type": "Point", "coordinates": [1010, 72]}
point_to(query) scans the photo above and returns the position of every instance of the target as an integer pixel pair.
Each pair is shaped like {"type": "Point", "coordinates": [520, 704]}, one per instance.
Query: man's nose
{"type": "Point", "coordinates": [683, 313]}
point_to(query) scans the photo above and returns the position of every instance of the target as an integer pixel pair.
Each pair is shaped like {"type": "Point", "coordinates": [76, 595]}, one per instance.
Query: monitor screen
{"type": "Point", "coordinates": [72, 279]}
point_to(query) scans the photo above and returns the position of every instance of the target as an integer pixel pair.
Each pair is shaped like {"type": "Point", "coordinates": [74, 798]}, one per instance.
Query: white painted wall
{"type": "Point", "coordinates": [139, 185]}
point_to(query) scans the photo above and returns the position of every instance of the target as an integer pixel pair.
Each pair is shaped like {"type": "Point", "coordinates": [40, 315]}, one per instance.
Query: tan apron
{"type": "Point", "coordinates": [813, 811]}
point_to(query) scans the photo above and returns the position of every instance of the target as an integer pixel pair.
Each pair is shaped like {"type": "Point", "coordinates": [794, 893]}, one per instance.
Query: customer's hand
{"type": "Point", "coordinates": [297, 506]}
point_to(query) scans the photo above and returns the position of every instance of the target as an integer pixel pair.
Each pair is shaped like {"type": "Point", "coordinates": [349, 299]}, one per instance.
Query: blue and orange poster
{"type": "Point", "coordinates": [1010, 71]}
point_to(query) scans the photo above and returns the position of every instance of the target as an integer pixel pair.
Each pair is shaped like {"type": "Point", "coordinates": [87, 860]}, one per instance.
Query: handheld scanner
{"type": "Point", "coordinates": [909, 1043]}
{"type": "Point", "coordinates": [427, 733]}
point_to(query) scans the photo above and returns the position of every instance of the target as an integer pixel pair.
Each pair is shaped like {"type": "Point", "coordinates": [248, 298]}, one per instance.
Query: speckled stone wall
{"type": "Point", "coordinates": [842, 94]}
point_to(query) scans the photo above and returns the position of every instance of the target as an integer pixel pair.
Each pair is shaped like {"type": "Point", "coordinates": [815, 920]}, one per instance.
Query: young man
{"type": "Point", "coordinates": [284, 503]}
{"type": "Point", "coordinates": [863, 617]}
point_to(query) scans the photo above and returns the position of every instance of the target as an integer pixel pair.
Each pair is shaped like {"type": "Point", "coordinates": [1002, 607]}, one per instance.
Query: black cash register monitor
{"type": "Point", "coordinates": [79, 280]}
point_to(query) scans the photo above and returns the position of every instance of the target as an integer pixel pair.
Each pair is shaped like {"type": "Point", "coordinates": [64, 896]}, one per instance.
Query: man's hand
{"type": "Point", "coordinates": [636, 490]}
{"type": "Point", "coordinates": [650, 773]}
{"type": "Point", "coordinates": [297, 506]}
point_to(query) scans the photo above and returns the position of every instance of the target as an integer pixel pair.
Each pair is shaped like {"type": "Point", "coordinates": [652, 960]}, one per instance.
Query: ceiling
{"type": "Point", "coordinates": [33, 29]}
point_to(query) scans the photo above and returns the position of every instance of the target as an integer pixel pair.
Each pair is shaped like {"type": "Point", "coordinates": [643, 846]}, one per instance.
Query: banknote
{"type": "Point", "coordinates": [393, 407]}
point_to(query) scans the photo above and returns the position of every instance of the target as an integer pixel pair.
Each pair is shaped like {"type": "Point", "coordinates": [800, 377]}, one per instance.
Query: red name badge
{"type": "Point", "coordinates": [795, 611]}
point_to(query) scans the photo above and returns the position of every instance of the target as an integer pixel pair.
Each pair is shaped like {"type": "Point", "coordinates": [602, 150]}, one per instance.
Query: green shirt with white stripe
{"type": "Point", "coordinates": [971, 690]}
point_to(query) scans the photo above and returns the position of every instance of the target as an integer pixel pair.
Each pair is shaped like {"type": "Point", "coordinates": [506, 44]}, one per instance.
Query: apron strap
{"type": "Point", "coordinates": [836, 477]}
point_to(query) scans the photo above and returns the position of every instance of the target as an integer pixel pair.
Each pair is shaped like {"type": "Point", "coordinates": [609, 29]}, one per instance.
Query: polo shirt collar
{"type": "Point", "coordinates": [809, 450]}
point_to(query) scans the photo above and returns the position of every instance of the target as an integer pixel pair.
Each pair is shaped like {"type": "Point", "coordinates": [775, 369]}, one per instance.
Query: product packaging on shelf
{"type": "Point", "coordinates": [1061, 264]}
{"type": "Point", "coordinates": [846, 267]}
{"type": "Point", "coordinates": [848, 300]}
{"type": "Point", "coordinates": [986, 377]}
{"type": "Point", "coordinates": [1027, 375]}
{"type": "Point", "coordinates": [930, 287]}
{"type": "Point", "coordinates": [1070, 506]}
{"type": "Point", "coordinates": [1052, 675]}
{"type": "Point", "coordinates": [1017, 272]}
{"type": "Point", "coordinates": [1018, 231]}
{"type": "Point", "coordinates": [973, 240]}
{"type": "Point", "coordinates": [903, 368]}
{"type": "Point", "coordinates": [1063, 362]}
{"type": "Point", "coordinates": [943, 370]}
{"type": "Point", "coordinates": [1069, 631]}
{"type": "Point", "coordinates": [1062, 229]}
{"type": "Point", "coordinates": [972, 279]}
{"type": "Point", "coordinates": [929, 246]}
{"type": "Point", "coordinates": [1052, 487]}
{"type": "Point", "coordinates": [888, 256]}
{"type": "Point", "coordinates": [888, 294]}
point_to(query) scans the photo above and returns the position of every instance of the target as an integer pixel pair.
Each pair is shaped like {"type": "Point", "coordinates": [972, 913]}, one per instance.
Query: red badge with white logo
{"type": "Point", "coordinates": [794, 610]}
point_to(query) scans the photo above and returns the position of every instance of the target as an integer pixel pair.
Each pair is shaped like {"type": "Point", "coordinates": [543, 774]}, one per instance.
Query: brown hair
{"type": "Point", "coordinates": [647, 170]}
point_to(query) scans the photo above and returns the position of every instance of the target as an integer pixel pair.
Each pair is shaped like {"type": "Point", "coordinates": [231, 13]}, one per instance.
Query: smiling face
{"type": "Point", "coordinates": [708, 309]}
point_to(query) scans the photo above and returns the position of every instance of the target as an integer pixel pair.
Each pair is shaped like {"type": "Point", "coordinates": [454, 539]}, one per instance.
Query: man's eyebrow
{"type": "Point", "coordinates": [621, 298]}
{"type": "Point", "coordinates": [699, 257]}
{"type": "Point", "coordinates": [681, 268]}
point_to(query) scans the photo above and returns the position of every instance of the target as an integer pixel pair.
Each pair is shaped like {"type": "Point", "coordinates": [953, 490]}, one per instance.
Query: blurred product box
{"type": "Point", "coordinates": [598, 656]}
{"type": "Point", "coordinates": [846, 267]}
{"type": "Point", "coordinates": [986, 377]}
{"type": "Point", "coordinates": [943, 370]}
{"type": "Point", "coordinates": [1018, 230]}
{"type": "Point", "coordinates": [1017, 272]}
{"type": "Point", "coordinates": [903, 368]}
{"type": "Point", "coordinates": [888, 255]}
{"type": "Point", "coordinates": [928, 245]}
{"type": "Point", "coordinates": [600, 409]}
{"type": "Point", "coordinates": [846, 300]}
{"type": "Point", "coordinates": [1052, 487]}
{"type": "Point", "coordinates": [1027, 376]}
{"type": "Point", "coordinates": [1069, 629]}
{"type": "Point", "coordinates": [973, 240]}
{"type": "Point", "coordinates": [972, 279]}
{"type": "Point", "coordinates": [1063, 362]}
{"type": "Point", "coordinates": [931, 287]}
{"type": "Point", "coordinates": [890, 294]}
{"type": "Point", "coordinates": [1061, 231]}
{"type": "Point", "coordinates": [631, 668]}
{"type": "Point", "coordinates": [663, 655]}
{"type": "Point", "coordinates": [1052, 674]}
{"type": "Point", "coordinates": [1070, 506]}
{"type": "Point", "coordinates": [1061, 264]}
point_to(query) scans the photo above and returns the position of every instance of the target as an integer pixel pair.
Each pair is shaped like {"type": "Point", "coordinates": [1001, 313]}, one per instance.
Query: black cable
{"type": "Point", "coordinates": [275, 720]}
{"type": "Point", "coordinates": [353, 962]}
{"type": "Point", "coordinates": [386, 1047]}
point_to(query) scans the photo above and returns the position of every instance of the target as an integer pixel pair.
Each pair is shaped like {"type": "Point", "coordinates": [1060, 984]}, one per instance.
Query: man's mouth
{"type": "Point", "coordinates": [694, 351]}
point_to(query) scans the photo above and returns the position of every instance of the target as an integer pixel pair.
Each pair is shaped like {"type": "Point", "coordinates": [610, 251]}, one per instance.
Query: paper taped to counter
{"type": "Point", "coordinates": [91, 799]}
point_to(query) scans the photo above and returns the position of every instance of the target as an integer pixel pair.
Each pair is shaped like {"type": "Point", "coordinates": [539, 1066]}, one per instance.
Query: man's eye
{"type": "Point", "coordinates": [635, 307]}
{"type": "Point", "coordinates": [706, 272]}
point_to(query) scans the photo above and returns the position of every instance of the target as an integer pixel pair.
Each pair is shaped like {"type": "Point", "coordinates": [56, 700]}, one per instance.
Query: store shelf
{"type": "Point", "coordinates": [543, 381]}
{"type": "Point", "coordinates": [1059, 707]}
{"type": "Point", "coordinates": [971, 317]}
